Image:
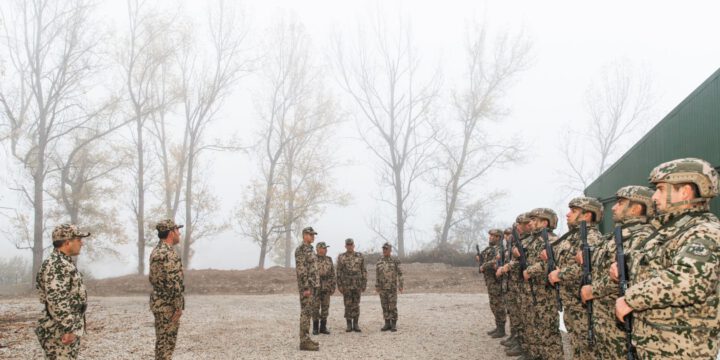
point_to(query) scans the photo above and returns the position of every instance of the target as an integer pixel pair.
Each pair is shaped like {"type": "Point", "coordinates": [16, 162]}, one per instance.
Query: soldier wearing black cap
{"type": "Point", "coordinates": [388, 281]}
{"type": "Point", "coordinates": [308, 281]}
{"type": "Point", "coordinates": [352, 281]}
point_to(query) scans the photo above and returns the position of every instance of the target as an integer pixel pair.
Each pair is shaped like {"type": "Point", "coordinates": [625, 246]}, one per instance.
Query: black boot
{"type": "Point", "coordinates": [500, 333]}
{"type": "Point", "coordinates": [515, 351]}
{"type": "Point", "coordinates": [509, 339]}
{"type": "Point", "coordinates": [493, 331]}
{"type": "Point", "coordinates": [356, 327]}
{"type": "Point", "coordinates": [349, 325]}
{"type": "Point", "coordinates": [393, 324]}
{"type": "Point", "coordinates": [323, 327]}
{"type": "Point", "coordinates": [387, 326]}
{"type": "Point", "coordinates": [315, 327]}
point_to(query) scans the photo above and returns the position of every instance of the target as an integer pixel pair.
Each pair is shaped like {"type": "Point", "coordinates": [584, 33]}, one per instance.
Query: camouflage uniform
{"type": "Point", "coordinates": [494, 285]}
{"type": "Point", "coordinates": [62, 292]}
{"type": "Point", "coordinates": [326, 272]}
{"type": "Point", "coordinates": [167, 280]}
{"type": "Point", "coordinates": [352, 279]}
{"type": "Point", "coordinates": [543, 315]}
{"type": "Point", "coordinates": [675, 280]}
{"type": "Point", "coordinates": [387, 282]}
{"type": "Point", "coordinates": [571, 276]}
{"type": "Point", "coordinates": [524, 299]}
{"type": "Point", "coordinates": [308, 278]}
{"type": "Point", "coordinates": [512, 294]}
{"type": "Point", "coordinates": [610, 341]}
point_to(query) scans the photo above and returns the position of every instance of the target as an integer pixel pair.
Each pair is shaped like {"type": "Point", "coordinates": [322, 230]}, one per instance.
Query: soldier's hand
{"type": "Point", "coordinates": [497, 257]}
{"type": "Point", "coordinates": [526, 276]}
{"type": "Point", "coordinates": [516, 252]}
{"type": "Point", "coordinates": [554, 276]}
{"type": "Point", "coordinates": [614, 274]}
{"type": "Point", "coordinates": [176, 315]}
{"type": "Point", "coordinates": [68, 338]}
{"type": "Point", "coordinates": [477, 258]}
{"type": "Point", "coordinates": [341, 290]}
{"type": "Point", "coordinates": [586, 293]}
{"type": "Point", "coordinates": [376, 290]}
{"type": "Point", "coordinates": [499, 272]}
{"type": "Point", "coordinates": [622, 309]}
{"type": "Point", "coordinates": [543, 255]}
{"type": "Point", "coordinates": [401, 290]}
{"type": "Point", "coordinates": [506, 268]}
{"type": "Point", "coordinates": [579, 257]}
{"type": "Point", "coordinates": [307, 293]}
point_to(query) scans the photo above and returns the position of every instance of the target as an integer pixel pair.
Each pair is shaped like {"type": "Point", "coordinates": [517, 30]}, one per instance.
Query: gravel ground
{"type": "Point", "coordinates": [431, 326]}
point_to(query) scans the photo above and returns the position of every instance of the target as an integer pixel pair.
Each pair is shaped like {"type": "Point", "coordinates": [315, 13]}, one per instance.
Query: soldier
{"type": "Point", "coordinates": [352, 281]}
{"type": "Point", "coordinates": [388, 280]}
{"type": "Point", "coordinates": [62, 292]}
{"type": "Point", "coordinates": [569, 272]}
{"type": "Point", "coordinates": [544, 315]}
{"type": "Point", "coordinates": [167, 300]}
{"type": "Point", "coordinates": [674, 296]}
{"type": "Point", "coordinates": [308, 280]}
{"type": "Point", "coordinates": [321, 304]}
{"type": "Point", "coordinates": [511, 295]}
{"type": "Point", "coordinates": [630, 212]}
{"type": "Point", "coordinates": [488, 267]}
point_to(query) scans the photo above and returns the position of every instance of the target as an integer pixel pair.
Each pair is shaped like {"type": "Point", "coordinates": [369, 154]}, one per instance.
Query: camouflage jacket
{"type": "Point", "coordinates": [326, 271]}
{"type": "Point", "coordinates": [514, 262]}
{"type": "Point", "coordinates": [306, 269]}
{"type": "Point", "coordinates": [569, 244]}
{"type": "Point", "coordinates": [351, 271]}
{"type": "Point", "coordinates": [166, 278]}
{"type": "Point", "coordinates": [388, 275]}
{"type": "Point", "coordinates": [61, 289]}
{"type": "Point", "coordinates": [633, 232]}
{"type": "Point", "coordinates": [675, 284]}
{"type": "Point", "coordinates": [537, 268]}
{"type": "Point", "coordinates": [488, 261]}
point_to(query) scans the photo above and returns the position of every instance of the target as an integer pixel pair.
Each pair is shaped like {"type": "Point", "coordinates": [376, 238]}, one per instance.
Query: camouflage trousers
{"type": "Point", "coordinates": [577, 325]}
{"type": "Point", "coordinates": [388, 300]}
{"type": "Point", "coordinates": [306, 312]}
{"type": "Point", "coordinates": [531, 343]}
{"type": "Point", "coordinates": [351, 298]}
{"type": "Point", "coordinates": [513, 309]}
{"type": "Point", "coordinates": [497, 301]}
{"type": "Point", "coordinates": [661, 341]}
{"type": "Point", "coordinates": [54, 348]}
{"type": "Point", "coordinates": [544, 325]}
{"type": "Point", "coordinates": [610, 341]}
{"type": "Point", "coordinates": [166, 332]}
{"type": "Point", "coordinates": [321, 305]}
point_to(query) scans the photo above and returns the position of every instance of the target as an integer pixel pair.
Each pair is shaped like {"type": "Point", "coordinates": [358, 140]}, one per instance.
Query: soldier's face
{"type": "Point", "coordinates": [74, 246]}
{"type": "Point", "coordinates": [573, 215]}
{"type": "Point", "coordinates": [619, 209]}
{"type": "Point", "coordinates": [308, 238]}
{"type": "Point", "coordinates": [350, 247]}
{"type": "Point", "coordinates": [322, 251]}
{"type": "Point", "coordinates": [386, 251]}
{"type": "Point", "coordinates": [176, 236]}
{"type": "Point", "coordinates": [660, 197]}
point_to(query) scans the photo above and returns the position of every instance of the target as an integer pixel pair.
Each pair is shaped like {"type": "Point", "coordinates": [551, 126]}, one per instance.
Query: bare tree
{"type": "Point", "coordinates": [50, 49]}
{"type": "Point", "coordinates": [394, 102]}
{"type": "Point", "coordinates": [468, 152]}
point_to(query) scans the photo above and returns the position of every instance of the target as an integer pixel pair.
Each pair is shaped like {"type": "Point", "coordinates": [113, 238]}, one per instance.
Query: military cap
{"type": "Point", "coordinates": [547, 214]}
{"type": "Point", "coordinates": [588, 204]}
{"type": "Point", "coordinates": [508, 230]}
{"type": "Point", "coordinates": [688, 170]}
{"type": "Point", "coordinates": [349, 241]}
{"type": "Point", "coordinates": [167, 225]}
{"type": "Point", "coordinates": [387, 246]}
{"type": "Point", "coordinates": [67, 232]}
{"type": "Point", "coordinates": [322, 245]}
{"type": "Point", "coordinates": [309, 230]}
{"type": "Point", "coordinates": [636, 193]}
{"type": "Point", "coordinates": [522, 218]}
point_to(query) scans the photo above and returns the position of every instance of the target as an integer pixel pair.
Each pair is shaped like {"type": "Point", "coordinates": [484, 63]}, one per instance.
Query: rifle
{"type": "Point", "coordinates": [550, 267]}
{"type": "Point", "coordinates": [501, 262]}
{"type": "Point", "coordinates": [587, 279]}
{"type": "Point", "coordinates": [623, 277]}
{"type": "Point", "coordinates": [523, 263]}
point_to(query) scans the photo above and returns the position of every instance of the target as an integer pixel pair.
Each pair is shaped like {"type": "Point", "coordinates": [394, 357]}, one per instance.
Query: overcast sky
{"type": "Point", "coordinates": [673, 41]}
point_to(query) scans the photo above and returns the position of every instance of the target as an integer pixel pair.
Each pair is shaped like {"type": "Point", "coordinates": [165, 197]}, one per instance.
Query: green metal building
{"type": "Point", "coordinates": [692, 129]}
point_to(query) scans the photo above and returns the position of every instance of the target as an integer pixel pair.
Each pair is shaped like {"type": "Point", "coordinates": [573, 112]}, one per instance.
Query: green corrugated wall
{"type": "Point", "coordinates": [692, 129]}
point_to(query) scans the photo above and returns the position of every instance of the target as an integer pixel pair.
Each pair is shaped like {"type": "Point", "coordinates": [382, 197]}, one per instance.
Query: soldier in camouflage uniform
{"type": "Point", "coordinates": [62, 292]}
{"type": "Point", "coordinates": [167, 300]}
{"type": "Point", "coordinates": [388, 280]}
{"type": "Point", "coordinates": [488, 267]}
{"type": "Point", "coordinates": [321, 305]}
{"type": "Point", "coordinates": [543, 315]}
{"type": "Point", "coordinates": [674, 296]}
{"type": "Point", "coordinates": [352, 281]}
{"type": "Point", "coordinates": [510, 295]}
{"type": "Point", "coordinates": [631, 211]}
{"type": "Point", "coordinates": [308, 280]}
{"type": "Point", "coordinates": [569, 272]}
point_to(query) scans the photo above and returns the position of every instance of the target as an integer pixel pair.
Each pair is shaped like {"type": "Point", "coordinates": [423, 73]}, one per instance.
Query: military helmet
{"type": "Point", "coordinates": [588, 204]}
{"type": "Point", "coordinates": [688, 170]}
{"type": "Point", "coordinates": [547, 214]}
{"type": "Point", "coordinates": [496, 232]}
{"type": "Point", "coordinates": [522, 218]}
{"type": "Point", "coordinates": [640, 194]}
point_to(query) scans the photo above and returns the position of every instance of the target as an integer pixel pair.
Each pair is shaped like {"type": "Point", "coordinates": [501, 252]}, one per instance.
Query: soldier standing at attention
{"type": "Point", "coordinates": [352, 281]}
{"type": "Point", "coordinates": [308, 281]}
{"type": "Point", "coordinates": [488, 267]}
{"type": "Point", "coordinates": [674, 291]}
{"type": "Point", "coordinates": [388, 280]}
{"type": "Point", "coordinates": [167, 300]}
{"type": "Point", "coordinates": [61, 289]}
{"type": "Point", "coordinates": [321, 304]}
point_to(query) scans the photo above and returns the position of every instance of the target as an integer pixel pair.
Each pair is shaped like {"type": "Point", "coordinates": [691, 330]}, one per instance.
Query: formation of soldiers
{"type": "Point", "coordinates": [648, 290]}
{"type": "Point", "coordinates": [317, 280]}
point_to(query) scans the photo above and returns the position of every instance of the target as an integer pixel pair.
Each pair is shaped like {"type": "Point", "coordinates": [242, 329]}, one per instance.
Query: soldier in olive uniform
{"type": "Point", "coordinates": [167, 300]}
{"type": "Point", "coordinates": [569, 273]}
{"type": "Point", "coordinates": [62, 292]}
{"type": "Point", "coordinates": [488, 266]}
{"type": "Point", "coordinates": [308, 282]}
{"type": "Point", "coordinates": [321, 305]}
{"type": "Point", "coordinates": [674, 293]}
{"type": "Point", "coordinates": [388, 281]}
{"type": "Point", "coordinates": [352, 281]}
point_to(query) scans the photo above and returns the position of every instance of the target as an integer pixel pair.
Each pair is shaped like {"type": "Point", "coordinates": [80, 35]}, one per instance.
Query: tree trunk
{"type": "Point", "coordinates": [38, 217]}
{"type": "Point", "coordinates": [399, 218]}
{"type": "Point", "coordinates": [187, 240]}
{"type": "Point", "coordinates": [140, 213]}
